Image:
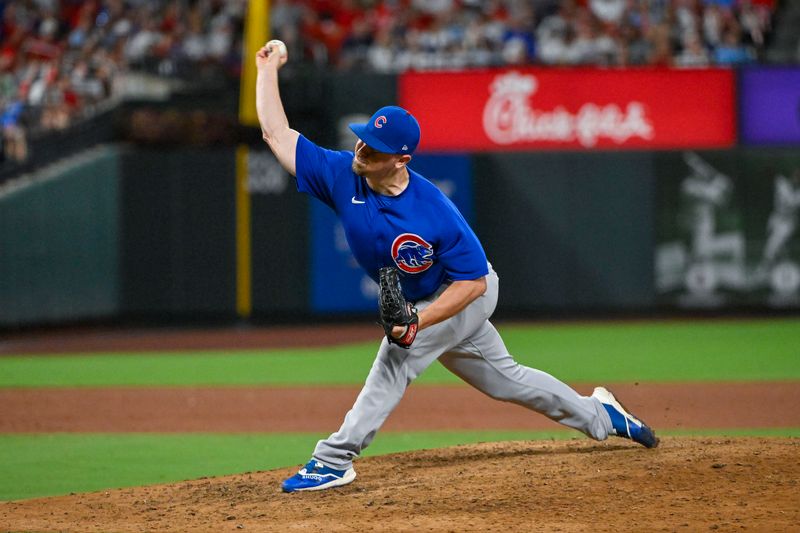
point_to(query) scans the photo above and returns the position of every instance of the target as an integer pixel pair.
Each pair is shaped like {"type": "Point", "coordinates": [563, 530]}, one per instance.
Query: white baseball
{"type": "Point", "coordinates": [279, 45]}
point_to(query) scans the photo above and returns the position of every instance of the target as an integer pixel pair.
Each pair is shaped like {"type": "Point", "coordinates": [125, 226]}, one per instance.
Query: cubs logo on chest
{"type": "Point", "coordinates": [412, 253]}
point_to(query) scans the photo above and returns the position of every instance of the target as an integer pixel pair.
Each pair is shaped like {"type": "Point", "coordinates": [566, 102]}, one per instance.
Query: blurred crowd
{"type": "Point", "coordinates": [397, 35]}
{"type": "Point", "coordinates": [62, 59]}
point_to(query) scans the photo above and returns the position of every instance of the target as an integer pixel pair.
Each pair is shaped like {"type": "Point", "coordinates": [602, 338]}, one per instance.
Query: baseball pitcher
{"type": "Point", "coordinates": [437, 290]}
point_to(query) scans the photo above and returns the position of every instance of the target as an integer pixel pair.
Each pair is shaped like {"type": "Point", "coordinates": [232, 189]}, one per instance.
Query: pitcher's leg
{"type": "Point", "coordinates": [393, 370]}
{"type": "Point", "coordinates": [385, 386]}
{"type": "Point", "coordinates": [484, 362]}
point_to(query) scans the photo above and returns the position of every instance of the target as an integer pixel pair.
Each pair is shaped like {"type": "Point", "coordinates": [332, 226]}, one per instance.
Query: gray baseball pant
{"type": "Point", "coordinates": [469, 346]}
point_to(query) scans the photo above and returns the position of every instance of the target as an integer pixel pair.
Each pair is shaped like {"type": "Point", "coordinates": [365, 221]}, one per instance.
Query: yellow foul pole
{"type": "Point", "coordinates": [256, 33]}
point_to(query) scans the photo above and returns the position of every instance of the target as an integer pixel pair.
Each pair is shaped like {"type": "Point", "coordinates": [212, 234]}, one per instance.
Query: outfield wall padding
{"type": "Point", "coordinates": [177, 239]}
{"type": "Point", "coordinates": [59, 242]}
{"type": "Point", "coordinates": [568, 231]}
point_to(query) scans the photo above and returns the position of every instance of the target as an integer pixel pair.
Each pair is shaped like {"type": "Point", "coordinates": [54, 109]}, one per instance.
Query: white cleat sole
{"type": "Point", "coordinates": [605, 396]}
{"type": "Point", "coordinates": [635, 429]}
{"type": "Point", "coordinates": [348, 477]}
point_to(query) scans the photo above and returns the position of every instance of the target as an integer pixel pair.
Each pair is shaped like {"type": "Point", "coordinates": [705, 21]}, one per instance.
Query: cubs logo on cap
{"type": "Point", "coordinates": [412, 253]}
{"type": "Point", "coordinates": [391, 130]}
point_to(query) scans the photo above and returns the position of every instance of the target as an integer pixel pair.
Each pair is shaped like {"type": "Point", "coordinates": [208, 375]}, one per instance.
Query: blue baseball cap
{"type": "Point", "coordinates": [391, 130]}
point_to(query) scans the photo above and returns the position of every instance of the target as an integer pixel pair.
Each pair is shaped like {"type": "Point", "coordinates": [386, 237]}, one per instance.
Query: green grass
{"type": "Point", "coordinates": [736, 350]}
{"type": "Point", "coordinates": [53, 464]}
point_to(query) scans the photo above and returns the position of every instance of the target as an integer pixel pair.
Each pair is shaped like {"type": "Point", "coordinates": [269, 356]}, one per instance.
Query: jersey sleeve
{"type": "Point", "coordinates": [460, 252]}
{"type": "Point", "coordinates": [316, 169]}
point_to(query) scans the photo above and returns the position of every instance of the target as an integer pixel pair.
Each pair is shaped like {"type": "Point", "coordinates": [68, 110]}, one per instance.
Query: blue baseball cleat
{"type": "Point", "coordinates": [317, 476]}
{"type": "Point", "coordinates": [625, 424]}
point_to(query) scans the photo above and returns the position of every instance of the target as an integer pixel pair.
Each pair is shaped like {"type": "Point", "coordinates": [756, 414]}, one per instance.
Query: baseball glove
{"type": "Point", "coordinates": [395, 310]}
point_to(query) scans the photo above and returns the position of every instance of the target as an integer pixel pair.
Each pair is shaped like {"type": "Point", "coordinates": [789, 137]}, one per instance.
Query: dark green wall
{"type": "Point", "coordinates": [59, 242]}
{"type": "Point", "coordinates": [138, 232]}
{"type": "Point", "coordinates": [177, 233]}
{"type": "Point", "coordinates": [280, 235]}
{"type": "Point", "coordinates": [568, 230]}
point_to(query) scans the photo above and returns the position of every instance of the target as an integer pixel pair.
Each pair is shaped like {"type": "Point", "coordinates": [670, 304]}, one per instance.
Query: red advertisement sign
{"type": "Point", "coordinates": [572, 109]}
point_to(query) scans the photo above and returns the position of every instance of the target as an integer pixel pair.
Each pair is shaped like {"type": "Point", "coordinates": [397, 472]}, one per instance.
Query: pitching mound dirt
{"type": "Point", "coordinates": [687, 484]}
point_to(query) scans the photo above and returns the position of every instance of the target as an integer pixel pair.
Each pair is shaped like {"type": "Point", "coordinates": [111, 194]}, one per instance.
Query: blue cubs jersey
{"type": "Point", "coordinates": [419, 231]}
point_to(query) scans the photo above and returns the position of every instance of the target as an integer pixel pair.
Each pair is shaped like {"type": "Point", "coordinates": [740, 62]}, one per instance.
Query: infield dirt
{"type": "Point", "coordinates": [687, 484]}
{"type": "Point", "coordinates": [682, 406]}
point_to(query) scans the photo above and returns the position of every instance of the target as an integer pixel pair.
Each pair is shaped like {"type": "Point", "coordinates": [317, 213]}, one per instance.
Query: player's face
{"type": "Point", "coordinates": [369, 161]}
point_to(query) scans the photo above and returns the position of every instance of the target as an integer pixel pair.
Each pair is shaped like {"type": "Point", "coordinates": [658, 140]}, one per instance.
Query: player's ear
{"type": "Point", "coordinates": [403, 160]}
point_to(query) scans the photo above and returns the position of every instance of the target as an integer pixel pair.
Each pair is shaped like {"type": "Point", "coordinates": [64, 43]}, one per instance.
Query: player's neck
{"type": "Point", "coordinates": [389, 184]}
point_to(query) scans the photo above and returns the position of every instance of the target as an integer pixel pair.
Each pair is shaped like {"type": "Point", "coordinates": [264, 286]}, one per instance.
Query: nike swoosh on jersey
{"type": "Point", "coordinates": [353, 199]}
